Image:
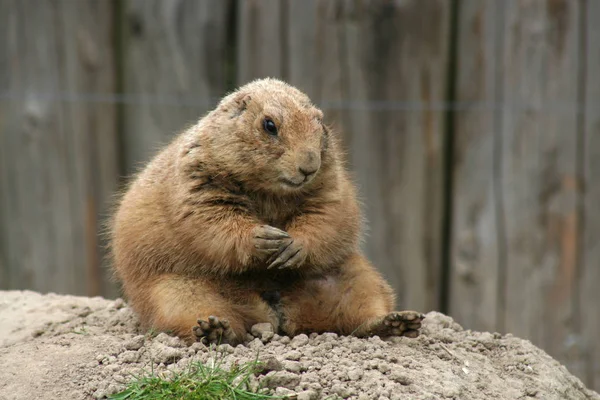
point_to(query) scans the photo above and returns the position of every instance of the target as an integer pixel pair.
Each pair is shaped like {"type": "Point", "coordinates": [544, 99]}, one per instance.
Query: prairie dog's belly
{"type": "Point", "coordinates": [267, 283]}
{"type": "Point", "coordinates": [267, 280]}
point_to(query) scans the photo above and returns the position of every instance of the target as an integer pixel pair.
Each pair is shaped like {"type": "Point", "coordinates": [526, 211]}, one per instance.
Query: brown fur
{"type": "Point", "coordinates": [187, 237]}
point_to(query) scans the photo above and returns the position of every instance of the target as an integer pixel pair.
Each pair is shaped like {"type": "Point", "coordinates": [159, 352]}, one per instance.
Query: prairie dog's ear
{"type": "Point", "coordinates": [241, 100]}
{"type": "Point", "coordinates": [236, 104]}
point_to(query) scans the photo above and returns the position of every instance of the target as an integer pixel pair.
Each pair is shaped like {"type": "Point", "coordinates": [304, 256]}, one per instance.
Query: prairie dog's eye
{"type": "Point", "coordinates": [269, 126]}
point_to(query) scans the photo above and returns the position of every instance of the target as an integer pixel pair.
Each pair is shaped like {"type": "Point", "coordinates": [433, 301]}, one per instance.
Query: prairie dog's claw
{"type": "Point", "coordinates": [268, 241]}
{"type": "Point", "coordinates": [293, 255]}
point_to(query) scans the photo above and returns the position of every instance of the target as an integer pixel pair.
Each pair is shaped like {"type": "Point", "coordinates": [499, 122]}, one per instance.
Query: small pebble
{"type": "Point", "coordinates": [134, 343]}
{"type": "Point", "coordinates": [293, 355]}
{"type": "Point", "coordinates": [299, 341]}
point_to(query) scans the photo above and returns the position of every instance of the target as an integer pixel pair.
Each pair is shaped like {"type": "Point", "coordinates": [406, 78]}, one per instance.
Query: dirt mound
{"type": "Point", "coordinates": [77, 348]}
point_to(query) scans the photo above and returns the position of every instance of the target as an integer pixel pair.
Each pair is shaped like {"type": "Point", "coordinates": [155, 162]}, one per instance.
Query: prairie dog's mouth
{"type": "Point", "coordinates": [293, 184]}
{"type": "Point", "coordinates": [297, 181]}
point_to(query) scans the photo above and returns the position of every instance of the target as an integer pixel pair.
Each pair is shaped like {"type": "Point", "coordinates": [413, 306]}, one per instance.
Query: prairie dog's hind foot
{"type": "Point", "coordinates": [402, 323]}
{"type": "Point", "coordinates": [397, 323]}
{"type": "Point", "coordinates": [214, 330]}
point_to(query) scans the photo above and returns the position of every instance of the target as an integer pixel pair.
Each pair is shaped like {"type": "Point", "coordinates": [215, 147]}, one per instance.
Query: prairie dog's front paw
{"type": "Point", "coordinates": [269, 241]}
{"type": "Point", "coordinates": [292, 256]}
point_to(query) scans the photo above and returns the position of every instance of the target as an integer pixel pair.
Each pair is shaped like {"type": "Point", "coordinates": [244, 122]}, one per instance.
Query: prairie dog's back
{"type": "Point", "coordinates": [142, 240]}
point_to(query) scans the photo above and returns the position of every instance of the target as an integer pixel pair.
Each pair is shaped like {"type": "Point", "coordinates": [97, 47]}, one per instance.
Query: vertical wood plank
{"type": "Point", "coordinates": [89, 67]}
{"type": "Point", "coordinates": [590, 272]}
{"type": "Point", "coordinates": [476, 230]}
{"type": "Point", "coordinates": [59, 154]}
{"type": "Point", "coordinates": [303, 41]}
{"type": "Point", "coordinates": [394, 56]}
{"type": "Point", "coordinates": [516, 196]}
{"type": "Point", "coordinates": [175, 60]}
{"type": "Point", "coordinates": [261, 38]}
{"type": "Point", "coordinates": [539, 166]}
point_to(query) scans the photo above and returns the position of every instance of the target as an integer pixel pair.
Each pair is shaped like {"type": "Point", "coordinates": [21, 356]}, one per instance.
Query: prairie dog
{"type": "Point", "coordinates": [249, 216]}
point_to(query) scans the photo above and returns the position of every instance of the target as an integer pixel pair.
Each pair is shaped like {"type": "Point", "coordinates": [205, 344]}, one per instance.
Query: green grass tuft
{"type": "Point", "coordinates": [197, 382]}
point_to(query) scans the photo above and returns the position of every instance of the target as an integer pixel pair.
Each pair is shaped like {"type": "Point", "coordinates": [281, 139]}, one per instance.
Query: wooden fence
{"type": "Point", "coordinates": [473, 130]}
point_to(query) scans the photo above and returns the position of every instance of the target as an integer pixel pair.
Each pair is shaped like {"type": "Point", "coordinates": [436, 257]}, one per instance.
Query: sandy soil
{"type": "Point", "coordinates": [71, 347]}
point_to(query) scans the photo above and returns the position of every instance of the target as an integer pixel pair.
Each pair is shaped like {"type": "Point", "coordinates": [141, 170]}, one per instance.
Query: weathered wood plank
{"type": "Point", "coordinates": [89, 27]}
{"type": "Point", "coordinates": [261, 40]}
{"type": "Point", "coordinates": [175, 63]}
{"type": "Point", "coordinates": [589, 279]}
{"type": "Point", "coordinates": [396, 55]}
{"type": "Point", "coordinates": [516, 219]}
{"type": "Point", "coordinates": [302, 45]}
{"type": "Point", "coordinates": [477, 236]}
{"type": "Point", "coordinates": [538, 56]}
{"type": "Point", "coordinates": [539, 169]}
{"type": "Point", "coordinates": [59, 157]}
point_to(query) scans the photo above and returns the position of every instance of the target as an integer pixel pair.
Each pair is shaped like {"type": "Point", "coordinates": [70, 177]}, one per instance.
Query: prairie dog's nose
{"type": "Point", "coordinates": [310, 163]}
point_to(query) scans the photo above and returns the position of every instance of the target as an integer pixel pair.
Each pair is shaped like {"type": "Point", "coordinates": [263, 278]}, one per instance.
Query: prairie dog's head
{"type": "Point", "coordinates": [270, 135]}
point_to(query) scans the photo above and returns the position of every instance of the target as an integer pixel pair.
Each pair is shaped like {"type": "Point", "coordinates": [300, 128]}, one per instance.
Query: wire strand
{"type": "Point", "coordinates": [175, 100]}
